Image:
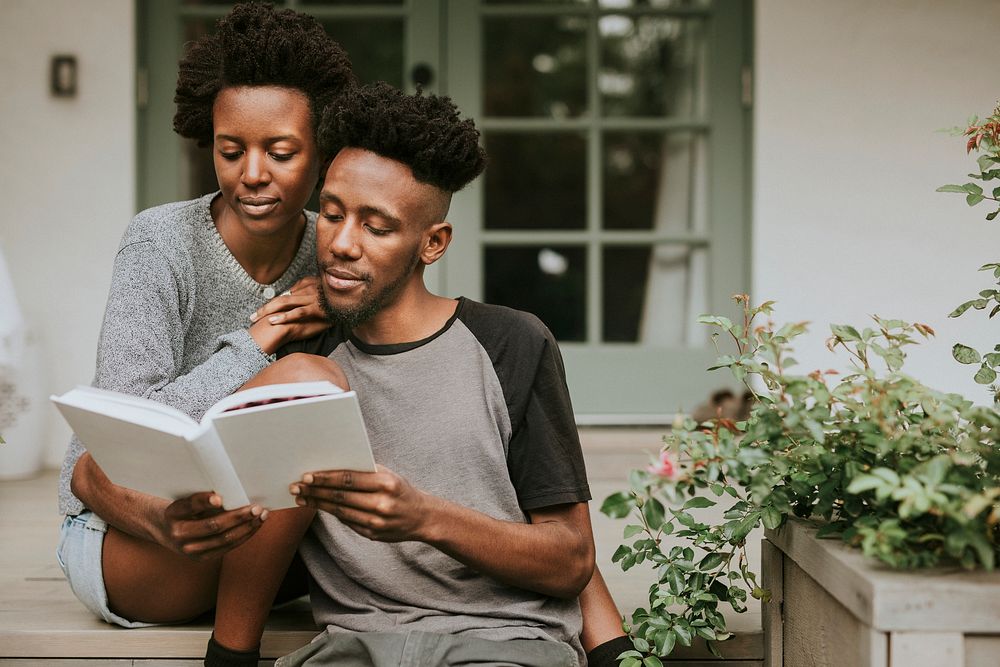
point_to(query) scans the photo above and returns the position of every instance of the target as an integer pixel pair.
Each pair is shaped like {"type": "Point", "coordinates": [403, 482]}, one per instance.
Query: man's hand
{"type": "Point", "coordinates": [295, 315]}
{"type": "Point", "coordinates": [379, 505]}
{"type": "Point", "coordinates": [198, 527]}
{"type": "Point", "coordinates": [553, 555]}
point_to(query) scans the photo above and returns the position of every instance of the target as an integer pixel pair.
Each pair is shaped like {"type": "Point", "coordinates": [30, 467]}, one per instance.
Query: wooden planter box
{"type": "Point", "coordinates": [832, 606]}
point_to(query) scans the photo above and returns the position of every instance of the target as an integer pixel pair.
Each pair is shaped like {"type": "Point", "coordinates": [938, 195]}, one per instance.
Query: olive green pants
{"type": "Point", "coordinates": [427, 649]}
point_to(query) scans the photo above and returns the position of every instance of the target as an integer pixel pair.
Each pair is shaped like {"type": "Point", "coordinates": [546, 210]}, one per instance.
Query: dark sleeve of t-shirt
{"type": "Point", "coordinates": [544, 458]}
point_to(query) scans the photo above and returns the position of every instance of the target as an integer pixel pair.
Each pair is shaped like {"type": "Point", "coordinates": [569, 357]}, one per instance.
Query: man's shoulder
{"type": "Point", "coordinates": [494, 323]}
{"type": "Point", "coordinates": [322, 344]}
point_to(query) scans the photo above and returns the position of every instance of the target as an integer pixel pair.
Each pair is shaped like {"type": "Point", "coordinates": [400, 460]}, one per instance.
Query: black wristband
{"type": "Point", "coordinates": [604, 654]}
{"type": "Point", "coordinates": [217, 655]}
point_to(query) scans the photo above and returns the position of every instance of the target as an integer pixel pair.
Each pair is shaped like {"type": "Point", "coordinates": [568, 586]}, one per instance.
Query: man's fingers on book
{"type": "Point", "coordinates": [341, 479]}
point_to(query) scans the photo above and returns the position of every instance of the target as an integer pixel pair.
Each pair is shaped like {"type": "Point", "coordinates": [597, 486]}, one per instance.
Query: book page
{"type": "Point", "coordinates": [271, 446]}
{"type": "Point", "coordinates": [137, 456]}
{"type": "Point", "coordinates": [130, 408]}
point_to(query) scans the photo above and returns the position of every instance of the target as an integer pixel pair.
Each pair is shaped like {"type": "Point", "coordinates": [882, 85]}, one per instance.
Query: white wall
{"type": "Point", "coordinates": [849, 95]}
{"type": "Point", "coordinates": [67, 175]}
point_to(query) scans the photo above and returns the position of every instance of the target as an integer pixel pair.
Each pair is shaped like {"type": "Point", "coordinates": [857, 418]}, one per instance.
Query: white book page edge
{"type": "Point", "coordinates": [271, 391]}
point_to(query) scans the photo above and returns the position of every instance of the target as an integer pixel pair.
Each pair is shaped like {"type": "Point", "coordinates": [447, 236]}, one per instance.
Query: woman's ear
{"type": "Point", "coordinates": [435, 242]}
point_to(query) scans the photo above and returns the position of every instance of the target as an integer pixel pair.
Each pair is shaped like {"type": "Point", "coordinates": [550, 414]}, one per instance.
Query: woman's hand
{"type": "Point", "coordinates": [294, 315]}
{"type": "Point", "coordinates": [198, 527]}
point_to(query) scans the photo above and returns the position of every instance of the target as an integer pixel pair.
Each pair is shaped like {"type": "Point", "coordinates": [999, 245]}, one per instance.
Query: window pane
{"type": "Point", "coordinates": [536, 181]}
{"type": "Point", "coordinates": [547, 281]}
{"type": "Point", "coordinates": [535, 66]}
{"type": "Point", "coordinates": [653, 294]}
{"type": "Point", "coordinates": [374, 45]}
{"type": "Point", "coordinates": [651, 66]}
{"type": "Point", "coordinates": [654, 181]}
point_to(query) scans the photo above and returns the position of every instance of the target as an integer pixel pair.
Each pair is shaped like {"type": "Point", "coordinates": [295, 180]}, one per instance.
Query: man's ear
{"type": "Point", "coordinates": [435, 242]}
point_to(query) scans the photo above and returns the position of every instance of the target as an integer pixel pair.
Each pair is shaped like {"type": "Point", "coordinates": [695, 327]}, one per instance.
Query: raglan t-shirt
{"type": "Point", "coordinates": [478, 414]}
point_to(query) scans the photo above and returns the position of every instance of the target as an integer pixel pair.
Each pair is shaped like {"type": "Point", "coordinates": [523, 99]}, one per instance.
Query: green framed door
{"type": "Point", "coordinates": [615, 205]}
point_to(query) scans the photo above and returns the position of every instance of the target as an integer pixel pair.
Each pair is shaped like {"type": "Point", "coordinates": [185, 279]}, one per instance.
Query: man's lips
{"type": "Point", "coordinates": [341, 281]}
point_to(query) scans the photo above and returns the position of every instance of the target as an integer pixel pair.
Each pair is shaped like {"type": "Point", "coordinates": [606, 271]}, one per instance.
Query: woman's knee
{"type": "Point", "coordinates": [302, 367]}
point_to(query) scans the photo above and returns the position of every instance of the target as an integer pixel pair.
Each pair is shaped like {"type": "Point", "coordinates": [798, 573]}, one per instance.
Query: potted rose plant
{"type": "Point", "coordinates": [870, 456]}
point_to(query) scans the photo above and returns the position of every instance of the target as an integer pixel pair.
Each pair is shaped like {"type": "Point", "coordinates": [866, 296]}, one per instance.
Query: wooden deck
{"type": "Point", "coordinates": [41, 623]}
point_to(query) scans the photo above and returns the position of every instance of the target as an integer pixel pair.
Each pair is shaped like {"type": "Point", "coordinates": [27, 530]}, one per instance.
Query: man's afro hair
{"type": "Point", "coordinates": [423, 132]}
{"type": "Point", "coordinates": [257, 45]}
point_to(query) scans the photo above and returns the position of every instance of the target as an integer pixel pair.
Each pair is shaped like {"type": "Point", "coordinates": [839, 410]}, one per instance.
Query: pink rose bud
{"type": "Point", "coordinates": [664, 467]}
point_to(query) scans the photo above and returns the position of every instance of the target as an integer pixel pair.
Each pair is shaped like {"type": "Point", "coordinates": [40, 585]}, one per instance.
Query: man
{"type": "Point", "coordinates": [472, 541]}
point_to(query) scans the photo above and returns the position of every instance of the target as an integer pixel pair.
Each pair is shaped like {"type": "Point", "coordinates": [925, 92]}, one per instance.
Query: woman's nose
{"type": "Point", "coordinates": [255, 171]}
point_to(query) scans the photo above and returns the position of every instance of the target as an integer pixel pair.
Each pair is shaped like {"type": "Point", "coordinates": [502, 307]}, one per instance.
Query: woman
{"type": "Point", "coordinates": [180, 327]}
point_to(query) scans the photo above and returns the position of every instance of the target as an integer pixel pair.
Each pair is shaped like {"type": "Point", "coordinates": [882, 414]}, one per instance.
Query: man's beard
{"type": "Point", "coordinates": [371, 302]}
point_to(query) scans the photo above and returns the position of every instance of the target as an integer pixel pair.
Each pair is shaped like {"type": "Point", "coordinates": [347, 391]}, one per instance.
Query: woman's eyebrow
{"type": "Point", "coordinates": [270, 140]}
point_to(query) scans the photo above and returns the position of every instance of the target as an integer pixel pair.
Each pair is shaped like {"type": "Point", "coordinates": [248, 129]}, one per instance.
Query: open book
{"type": "Point", "coordinates": [248, 447]}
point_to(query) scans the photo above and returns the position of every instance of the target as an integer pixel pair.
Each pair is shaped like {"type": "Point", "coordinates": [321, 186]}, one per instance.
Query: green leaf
{"type": "Point", "coordinates": [771, 517]}
{"type": "Point", "coordinates": [651, 661]}
{"type": "Point", "coordinates": [964, 354]}
{"type": "Point", "coordinates": [986, 375]}
{"type": "Point", "coordinates": [653, 512]}
{"type": "Point", "coordinates": [962, 308]}
{"type": "Point", "coordinates": [631, 662]}
{"type": "Point", "coordinates": [617, 505]}
{"type": "Point", "coordinates": [622, 551]}
{"type": "Point", "coordinates": [631, 531]}
{"type": "Point", "coordinates": [993, 215]}
{"type": "Point", "coordinates": [972, 200]}
{"type": "Point", "coordinates": [845, 332]}
{"type": "Point", "coordinates": [952, 188]}
{"type": "Point", "coordinates": [698, 502]}
{"type": "Point", "coordinates": [972, 189]}
{"type": "Point", "coordinates": [723, 322]}
{"type": "Point", "coordinates": [669, 641]}
{"type": "Point", "coordinates": [711, 561]}
{"type": "Point", "coordinates": [683, 634]}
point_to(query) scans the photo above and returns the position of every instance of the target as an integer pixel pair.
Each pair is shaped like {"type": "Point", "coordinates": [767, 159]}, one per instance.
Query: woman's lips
{"type": "Point", "coordinates": [258, 206]}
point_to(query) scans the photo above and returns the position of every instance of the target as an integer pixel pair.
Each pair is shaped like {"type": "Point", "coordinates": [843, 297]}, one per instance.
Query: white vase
{"type": "Point", "coordinates": [22, 392]}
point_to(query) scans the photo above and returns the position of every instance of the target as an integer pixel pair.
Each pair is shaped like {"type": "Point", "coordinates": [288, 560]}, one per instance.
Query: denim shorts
{"type": "Point", "coordinates": [79, 554]}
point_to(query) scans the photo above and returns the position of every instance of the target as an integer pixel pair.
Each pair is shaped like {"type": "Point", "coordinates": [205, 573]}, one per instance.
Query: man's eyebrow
{"type": "Point", "coordinates": [366, 210]}
{"type": "Point", "coordinates": [382, 213]}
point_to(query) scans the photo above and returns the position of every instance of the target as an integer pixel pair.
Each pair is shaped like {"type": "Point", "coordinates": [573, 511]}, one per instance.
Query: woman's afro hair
{"type": "Point", "coordinates": [423, 132]}
{"type": "Point", "coordinates": [257, 45]}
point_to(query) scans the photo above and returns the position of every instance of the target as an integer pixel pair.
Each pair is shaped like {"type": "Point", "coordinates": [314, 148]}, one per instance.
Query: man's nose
{"type": "Point", "coordinates": [346, 241]}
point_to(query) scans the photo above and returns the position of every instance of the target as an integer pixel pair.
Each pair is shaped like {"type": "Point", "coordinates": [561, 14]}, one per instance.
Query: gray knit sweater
{"type": "Point", "coordinates": [175, 327]}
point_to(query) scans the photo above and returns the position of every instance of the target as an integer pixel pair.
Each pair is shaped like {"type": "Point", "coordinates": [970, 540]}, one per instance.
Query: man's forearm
{"type": "Point", "coordinates": [127, 510]}
{"type": "Point", "coordinates": [550, 555]}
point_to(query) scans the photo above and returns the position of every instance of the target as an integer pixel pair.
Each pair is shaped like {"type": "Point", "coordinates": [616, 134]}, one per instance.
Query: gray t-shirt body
{"type": "Point", "coordinates": [175, 325]}
{"type": "Point", "coordinates": [478, 414]}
